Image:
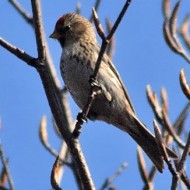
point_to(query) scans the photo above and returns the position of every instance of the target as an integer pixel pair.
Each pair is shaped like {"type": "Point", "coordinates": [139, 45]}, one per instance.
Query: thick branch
{"type": "Point", "coordinates": [18, 52]}
{"type": "Point", "coordinates": [54, 97]}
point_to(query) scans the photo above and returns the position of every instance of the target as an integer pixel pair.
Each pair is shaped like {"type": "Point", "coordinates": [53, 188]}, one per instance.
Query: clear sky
{"type": "Point", "coordinates": [141, 56]}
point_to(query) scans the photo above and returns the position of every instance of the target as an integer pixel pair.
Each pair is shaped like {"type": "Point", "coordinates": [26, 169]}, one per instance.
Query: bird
{"type": "Point", "coordinates": [80, 50]}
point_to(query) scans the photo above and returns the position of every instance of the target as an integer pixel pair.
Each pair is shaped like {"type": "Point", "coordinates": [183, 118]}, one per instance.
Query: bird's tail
{"type": "Point", "coordinates": [148, 143]}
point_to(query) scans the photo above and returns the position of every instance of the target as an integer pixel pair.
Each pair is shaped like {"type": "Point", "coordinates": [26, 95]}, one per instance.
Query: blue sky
{"type": "Point", "coordinates": [141, 56]}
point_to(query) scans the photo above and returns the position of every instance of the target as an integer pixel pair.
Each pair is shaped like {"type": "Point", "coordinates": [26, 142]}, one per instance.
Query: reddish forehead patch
{"type": "Point", "coordinates": [65, 18]}
{"type": "Point", "coordinates": [60, 21]}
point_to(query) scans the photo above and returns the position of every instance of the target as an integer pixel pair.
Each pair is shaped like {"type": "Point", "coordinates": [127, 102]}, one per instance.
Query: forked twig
{"type": "Point", "coordinates": [170, 29]}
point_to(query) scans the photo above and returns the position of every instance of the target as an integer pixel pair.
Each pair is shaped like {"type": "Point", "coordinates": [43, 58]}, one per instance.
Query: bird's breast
{"type": "Point", "coordinates": [76, 73]}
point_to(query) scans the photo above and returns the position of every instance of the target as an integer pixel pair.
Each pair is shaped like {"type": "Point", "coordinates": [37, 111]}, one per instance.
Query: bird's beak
{"type": "Point", "coordinates": [55, 35]}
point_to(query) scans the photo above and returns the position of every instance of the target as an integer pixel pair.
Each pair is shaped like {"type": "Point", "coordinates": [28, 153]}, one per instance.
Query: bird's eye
{"type": "Point", "coordinates": [62, 29]}
{"type": "Point", "coordinates": [66, 28]}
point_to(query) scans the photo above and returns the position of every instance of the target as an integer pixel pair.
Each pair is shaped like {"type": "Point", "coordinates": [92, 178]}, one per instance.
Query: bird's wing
{"type": "Point", "coordinates": [119, 79]}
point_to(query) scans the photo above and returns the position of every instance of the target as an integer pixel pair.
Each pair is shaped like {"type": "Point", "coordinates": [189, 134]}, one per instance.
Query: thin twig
{"type": "Point", "coordinates": [44, 140]}
{"type": "Point", "coordinates": [3, 177]}
{"type": "Point", "coordinates": [166, 8]}
{"type": "Point", "coordinates": [184, 84]}
{"type": "Point", "coordinates": [154, 103]}
{"type": "Point", "coordinates": [54, 175]}
{"type": "Point", "coordinates": [173, 23]}
{"type": "Point", "coordinates": [143, 170]}
{"type": "Point", "coordinates": [18, 52]}
{"type": "Point", "coordinates": [179, 123]}
{"type": "Point", "coordinates": [44, 137]}
{"type": "Point", "coordinates": [184, 31]}
{"type": "Point", "coordinates": [164, 100]}
{"type": "Point", "coordinates": [152, 173]}
{"type": "Point", "coordinates": [169, 29]}
{"type": "Point", "coordinates": [180, 167]}
{"type": "Point", "coordinates": [183, 159]}
{"type": "Point", "coordinates": [168, 126]}
{"type": "Point", "coordinates": [78, 8]}
{"type": "Point", "coordinates": [162, 148]}
{"type": "Point", "coordinates": [22, 12]}
{"type": "Point", "coordinates": [111, 45]}
{"type": "Point", "coordinates": [110, 180]}
{"type": "Point", "coordinates": [5, 165]}
{"type": "Point", "coordinates": [96, 7]}
{"type": "Point", "coordinates": [39, 30]}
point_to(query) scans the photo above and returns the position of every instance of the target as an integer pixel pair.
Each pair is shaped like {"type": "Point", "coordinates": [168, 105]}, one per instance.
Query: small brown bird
{"type": "Point", "coordinates": [80, 51]}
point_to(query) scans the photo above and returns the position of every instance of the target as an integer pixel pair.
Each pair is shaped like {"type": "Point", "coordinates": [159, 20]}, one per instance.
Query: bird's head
{"type": "Point", "coordinates": [71, 28]}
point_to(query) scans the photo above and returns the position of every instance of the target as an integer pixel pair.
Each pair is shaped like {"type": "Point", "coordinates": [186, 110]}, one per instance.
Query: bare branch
{"type": "Point", "coordinates": [78, 8]}
{"type": "Point", "coordinates": [106, 41]}
{"type": "Point", "coordinates": [160, 142]}
{"type": "Point", "coordinates": [169, 29]}
{"type": "Point", "coordinates": [39, 31]}
{"type": "Point", "coordinates": [154, 103]}
{"type": "Point", "coordinates": [164, 100]}
{"type": "Point", "coordinates": [111, 45]}
{"type": "Point", "coordinates": [98, 25]}
{"type": "Point", "coordinates": [44, 136]}
{"type": "Point", "coordinates": [180, 167]}
{"type": "Point", "coordinates": [5, 165]}
{"type": "Point", "coordinates": [168, 126]}
{"type": "Point", "coordinates": [184, 31]}
{"type": "Point", "coordinates": [184, 84]}
{"type": "Point", "coordinates": [19, 53]}
{"type": "Point", "coordinates": [143, 170]}
{"type": "Point", "coordinates": [54, 175]}
{"type": "Point", "coordinates": [96, 7]}
{"type": "Point", "coordinates": [183, 159]}
{"type": "Point", "coordinates": [179, 123]}
{"type": "Point", "coordinates": [152, 173]}
{"type": "Point", "coordinates": [110, 180]}
{"type": "Point", "coordinates": [27, 17]}
{"type": "Point", "coordinates": [3, 177]}
{"type": "Point", "coordinates": [173, 23]}
{"type": "Point", "coordinates": [166, 8]}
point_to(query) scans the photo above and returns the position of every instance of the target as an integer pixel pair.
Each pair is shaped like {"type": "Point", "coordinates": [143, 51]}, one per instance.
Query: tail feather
{"type": "Point", "coordinates": [148, 143]}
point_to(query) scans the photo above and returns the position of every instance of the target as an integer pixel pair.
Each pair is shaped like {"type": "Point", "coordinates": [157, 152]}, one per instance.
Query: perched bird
{"type": "Point", "coordinates": [80, 51]}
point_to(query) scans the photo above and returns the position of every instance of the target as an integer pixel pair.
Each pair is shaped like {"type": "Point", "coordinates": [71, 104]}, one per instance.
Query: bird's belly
{"type": "Point", "coordinates": [76, 76]}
